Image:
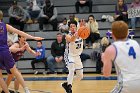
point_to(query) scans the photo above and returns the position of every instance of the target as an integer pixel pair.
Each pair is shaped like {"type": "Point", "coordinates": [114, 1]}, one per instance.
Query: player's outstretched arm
{"type": "Point", "coordinates": [28, 48]}
{"type": "Point", "coordinates": [107, 59]}
{"type": "Point", "coordinates": [21, 33]}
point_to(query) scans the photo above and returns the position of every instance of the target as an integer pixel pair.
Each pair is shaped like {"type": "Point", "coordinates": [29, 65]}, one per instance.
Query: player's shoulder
{"type": "Point", "coordinates": [110, 49]}
{"type": "Point", "coordinates": [133, 40]}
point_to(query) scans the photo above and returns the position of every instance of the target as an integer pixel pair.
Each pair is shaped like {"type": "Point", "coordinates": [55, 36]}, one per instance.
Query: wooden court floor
{"type": "Point", "coordinates": [54, 86]}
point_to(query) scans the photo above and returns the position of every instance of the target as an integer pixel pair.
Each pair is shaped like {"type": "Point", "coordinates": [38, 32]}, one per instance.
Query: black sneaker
{"type": "Point", "coordinates": [11, 91]}
{"type": "Point", "coordinates": [2, 91]}
{"type": "Point", "coordinates": [67, 87]}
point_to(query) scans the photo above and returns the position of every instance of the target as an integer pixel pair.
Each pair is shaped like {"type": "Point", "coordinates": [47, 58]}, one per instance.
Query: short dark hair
{"type": "Point", "coordinates": [65, 19]}
{"type": "Point", "coordinates": [39, 41]}
{"type": "Point", "coordinates": [59, 33]}
{"type": "Point", "coordinates": [91, 16]}
{"type": "Point", "coordinates": [19, 36]}
{"type": "Point", "coordinates": [72, 22]}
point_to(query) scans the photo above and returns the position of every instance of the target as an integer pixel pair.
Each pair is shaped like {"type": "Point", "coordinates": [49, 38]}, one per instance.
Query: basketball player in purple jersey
{"type": "Point", "coordinates": [6, 59]}
{"type": "Point", "coordinates": [17, 50]}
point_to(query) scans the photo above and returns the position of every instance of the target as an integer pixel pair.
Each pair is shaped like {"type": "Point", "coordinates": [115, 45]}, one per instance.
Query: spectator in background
{"type": "Point", "coordinates": [99, 64]}
{"type": "Point", "coordinates": [18, 15]}
{"type": "Point", "coordinates": [72, 18]}
{"type": "Point", "coordinates": [121, 11]}
{"type": "Point", "coordinates": [63, 27]}
{"type": "Point", "coordinates": [41, 58]}
{"type": "Point", "coordinates": [83, 3]}
{"type": "Point", "coordinates": [94, 32]}
{"type": "Point", "coordinates": [135, 4]}
{"type": "Point", "coordinates": [12, 38]}
{"type": "Point", "coordinates": [57, 51]}
{"type": "Point", "coordinates": [48, 15]}
{"type": "Point", "coordinates": [33, 10]}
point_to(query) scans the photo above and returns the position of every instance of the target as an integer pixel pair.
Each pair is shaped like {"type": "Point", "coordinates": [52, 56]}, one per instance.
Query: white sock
{"type": "Point", "coordinates": [70, 77]}
{"type": "Point", "coordinates": [16, 91]}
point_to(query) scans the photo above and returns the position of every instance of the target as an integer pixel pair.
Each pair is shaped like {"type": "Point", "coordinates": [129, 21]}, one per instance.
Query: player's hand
{"type": "Point", "coordinates": [68, 37]}
{"type": "Point", "coordinates": [38, 38]}
{"type": "Point", "coordinates": [26, 45]}
{"type": "Point", "coordinates": [76, 34]}
{"type": "Point", "coordinates": [23, 47]}
{"type": "Point", "coordinates": [82, 22]}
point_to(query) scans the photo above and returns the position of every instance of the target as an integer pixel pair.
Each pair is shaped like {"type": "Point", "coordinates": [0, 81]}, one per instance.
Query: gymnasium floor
{"type": "Point", "coordinates": [51, 83]}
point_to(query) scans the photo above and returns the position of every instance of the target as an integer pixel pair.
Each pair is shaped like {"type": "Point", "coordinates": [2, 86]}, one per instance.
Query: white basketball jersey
{"type": "Point", "coordinates": [127, 61]}
{"type": "Point", "coordinates": [74, 48]}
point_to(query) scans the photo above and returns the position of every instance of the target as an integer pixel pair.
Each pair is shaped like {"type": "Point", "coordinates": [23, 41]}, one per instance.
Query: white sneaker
{"type": "Point", "coordinates": [35, 72]}
{"type": "Point", "coordinates": [27, 90]}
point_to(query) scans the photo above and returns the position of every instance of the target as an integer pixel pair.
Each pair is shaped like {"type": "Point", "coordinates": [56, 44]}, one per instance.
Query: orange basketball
{"type": "Point", "coordinates": [83, 32]}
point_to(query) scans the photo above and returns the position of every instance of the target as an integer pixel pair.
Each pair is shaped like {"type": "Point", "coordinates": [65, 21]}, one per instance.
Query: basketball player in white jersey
{"type": "Point", "coordinates": [125, 53]}
{"type": "Point", "coordinates": [74, 48]}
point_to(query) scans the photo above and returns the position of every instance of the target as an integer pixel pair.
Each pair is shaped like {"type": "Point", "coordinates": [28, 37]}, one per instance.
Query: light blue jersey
{"type": "Point", "coordinates": [127, 64]}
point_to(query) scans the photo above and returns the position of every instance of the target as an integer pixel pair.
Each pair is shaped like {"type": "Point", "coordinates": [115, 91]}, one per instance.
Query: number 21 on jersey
{"type": "Point", "coordinates": [78, 46]}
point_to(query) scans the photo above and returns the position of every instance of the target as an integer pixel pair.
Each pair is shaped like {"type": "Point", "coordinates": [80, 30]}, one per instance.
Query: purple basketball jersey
{"type": "Point", "coordinates": [6, 59]}
{"type": "Point", "coordinates": [3, 37]}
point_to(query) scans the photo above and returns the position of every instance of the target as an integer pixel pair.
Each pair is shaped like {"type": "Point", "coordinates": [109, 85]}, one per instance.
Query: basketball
{"type": "Point", "coordinates": [83, 32]}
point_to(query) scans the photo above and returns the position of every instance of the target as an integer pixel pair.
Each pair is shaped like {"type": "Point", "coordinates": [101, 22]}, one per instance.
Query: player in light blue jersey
{"type": "Point", "coordinates": [125, 53]}
{"type": "Point", "coordinates": [74, 48]}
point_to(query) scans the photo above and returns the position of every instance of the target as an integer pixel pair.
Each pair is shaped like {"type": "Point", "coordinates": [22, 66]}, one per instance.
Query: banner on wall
{"type": "Point", "coordinates": [133, 12]}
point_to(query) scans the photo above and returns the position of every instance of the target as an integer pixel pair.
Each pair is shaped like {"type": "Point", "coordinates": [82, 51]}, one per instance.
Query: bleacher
{"type": "Point", "coordinates": [64, 7]}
